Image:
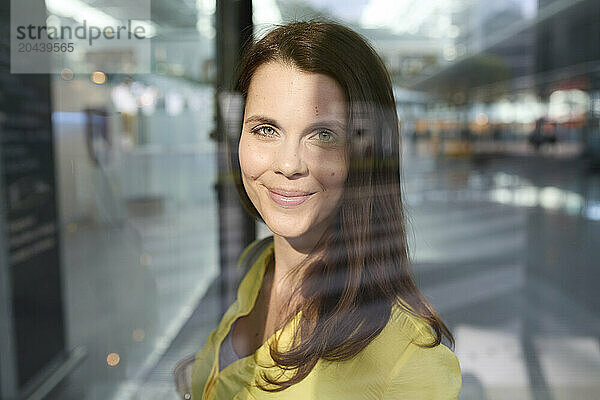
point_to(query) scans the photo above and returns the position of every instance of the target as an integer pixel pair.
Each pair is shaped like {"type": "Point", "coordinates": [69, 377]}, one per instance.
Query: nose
{"type": "Point", "coordinates": [289, 160]}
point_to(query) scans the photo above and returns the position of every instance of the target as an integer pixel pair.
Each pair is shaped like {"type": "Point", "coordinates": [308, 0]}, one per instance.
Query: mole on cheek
{"type": "Point", "coordinates": [333, 173]}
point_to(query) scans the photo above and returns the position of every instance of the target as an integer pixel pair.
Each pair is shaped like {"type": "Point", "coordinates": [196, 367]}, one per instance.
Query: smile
{"type": "Point", "coordinates": [288, 198]}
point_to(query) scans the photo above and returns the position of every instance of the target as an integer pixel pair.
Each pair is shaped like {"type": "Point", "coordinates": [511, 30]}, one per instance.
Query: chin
{"type": "Point", "coordinates": [286, 228]}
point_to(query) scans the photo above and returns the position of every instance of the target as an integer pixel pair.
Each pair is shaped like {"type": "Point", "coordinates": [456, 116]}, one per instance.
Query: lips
{"type": "Point", "coordinates": [288, 198]}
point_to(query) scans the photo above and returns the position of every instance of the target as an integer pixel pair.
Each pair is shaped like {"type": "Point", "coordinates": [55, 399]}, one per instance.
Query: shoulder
{"type": "Point", "coordinates": [419, 372]}
{"type": "Point", "coordinates": [403, 334]}
{"type": "Point", "coordinates": [425, 373]}
{"type": "Point", "coordinates": [402, 329]}
{"type": "Point", "coordinates": [397, 365]}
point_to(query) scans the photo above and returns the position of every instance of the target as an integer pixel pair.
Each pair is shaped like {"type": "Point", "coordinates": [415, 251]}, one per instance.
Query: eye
{"type": "Point", "coordinates": [263, 131]}
{"type": "Point", "coordinates": [326, 136]}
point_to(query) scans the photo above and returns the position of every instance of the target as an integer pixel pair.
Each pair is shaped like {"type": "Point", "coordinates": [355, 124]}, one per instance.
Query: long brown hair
{"type": "Point", "coordinates": [363, 267]}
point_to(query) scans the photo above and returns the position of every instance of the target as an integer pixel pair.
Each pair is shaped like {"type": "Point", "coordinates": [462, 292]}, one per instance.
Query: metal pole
{"type": "Point", "coordinates": [236, 228]}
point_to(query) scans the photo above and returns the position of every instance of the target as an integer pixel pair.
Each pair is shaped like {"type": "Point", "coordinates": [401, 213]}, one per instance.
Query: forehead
{"type": "Point", "coordinates": [287, 92]}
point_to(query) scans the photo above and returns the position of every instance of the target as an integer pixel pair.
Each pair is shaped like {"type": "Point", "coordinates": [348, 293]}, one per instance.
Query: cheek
{"type": "Point", "coordinates": [337, 178]}
{"type": "Point", "coordinates": [253, 161]}
{"type": "Point", "coordinates": [331, 172]}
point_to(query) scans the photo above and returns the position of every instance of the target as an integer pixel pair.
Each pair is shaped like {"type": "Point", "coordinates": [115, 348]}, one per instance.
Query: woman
{"type": "Point", "coordinates": [328, 310]}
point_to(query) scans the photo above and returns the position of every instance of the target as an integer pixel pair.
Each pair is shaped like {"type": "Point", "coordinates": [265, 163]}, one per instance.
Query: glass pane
{"type": "Point", "coordinates": [498, 108]}
{"type": "Point", "coordinates": [136, 169]}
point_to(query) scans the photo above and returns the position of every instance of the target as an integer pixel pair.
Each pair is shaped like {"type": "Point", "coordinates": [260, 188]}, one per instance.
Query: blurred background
{"type": "Point", "coordinates": [120, 231]}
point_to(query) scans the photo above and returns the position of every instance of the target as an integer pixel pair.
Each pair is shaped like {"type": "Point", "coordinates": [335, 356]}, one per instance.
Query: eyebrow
{"type": "Point", "coordinates": [332, 124]}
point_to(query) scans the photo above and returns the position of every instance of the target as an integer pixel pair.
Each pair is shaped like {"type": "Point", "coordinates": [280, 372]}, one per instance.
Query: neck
{"type": "Point", "coordinates": [289, 253]}
{"type": "Point", "coordinates": [287, 256]}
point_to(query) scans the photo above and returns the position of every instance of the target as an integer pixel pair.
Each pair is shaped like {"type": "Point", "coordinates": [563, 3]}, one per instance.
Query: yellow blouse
{"type": "Point", "coordinates": [392, 366]}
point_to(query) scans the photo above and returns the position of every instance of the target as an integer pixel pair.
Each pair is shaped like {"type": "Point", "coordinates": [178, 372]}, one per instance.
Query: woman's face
{"type": "Point", "coordinates": [292, 149]}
